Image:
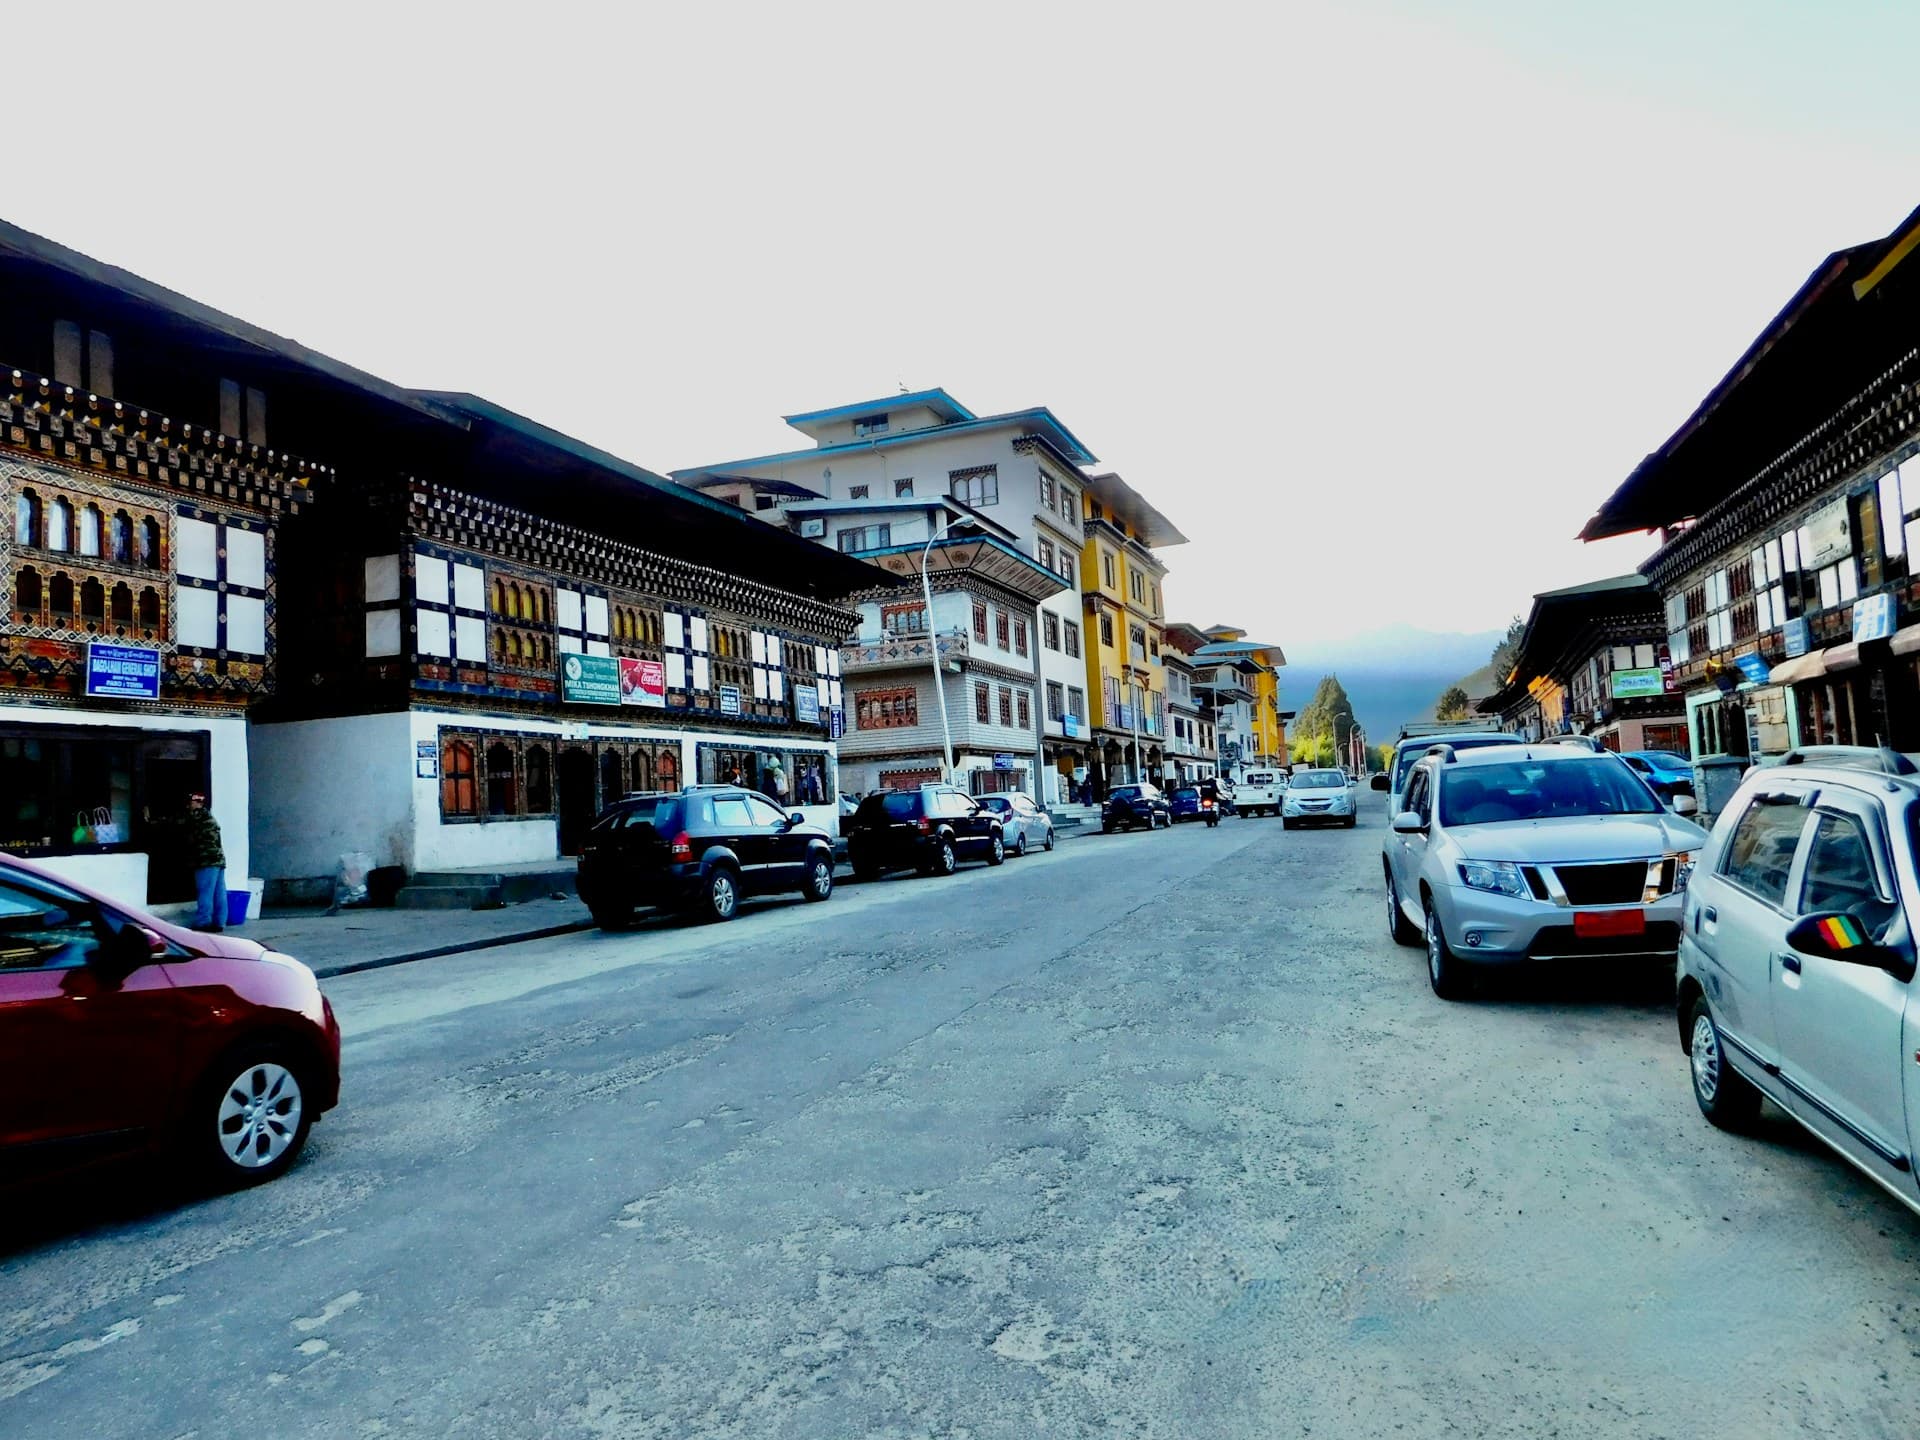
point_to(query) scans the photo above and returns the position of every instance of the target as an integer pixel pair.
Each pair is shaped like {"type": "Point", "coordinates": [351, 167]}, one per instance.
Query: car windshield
{"type": "Point", "coordinates": [1186, 793]}
{"type": "Point", "coordinates": [1667, 760]}
{"type": "Point", "coordinates": [1127, 792]}
{"type": "Point", "coordinates": [1410, 756]}
{"type": "Point", "coordinates": [1319, 780]}
{"type": "Point", "coordinates": [1541, 790]}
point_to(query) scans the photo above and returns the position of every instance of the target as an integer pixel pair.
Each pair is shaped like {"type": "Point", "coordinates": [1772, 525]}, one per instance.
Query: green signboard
{"type": "Point", "coordinates": [590, 679]}
{"type": "Point", "coordinates": [1632, 684]}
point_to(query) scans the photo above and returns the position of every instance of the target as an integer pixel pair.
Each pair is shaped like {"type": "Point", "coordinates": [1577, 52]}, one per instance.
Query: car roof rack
{"type": "Point", "coordinates": [1888, 761]}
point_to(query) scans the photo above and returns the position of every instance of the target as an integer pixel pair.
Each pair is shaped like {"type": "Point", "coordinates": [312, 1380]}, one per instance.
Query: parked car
{"type": "Point", "coordinates": [1669, 774]}
{"type": "Point", "coordinates": [122, 1035]}
{"type": "Point", "coordinates": [1578, 742]}
{"type": "Point", "coordinates": [930, 829]}
{"type": "Point", "coordinates": [1132, 805]}
{"type": "Point", "coordinates": [1547, 853]}
{"type": "Point", "coordinates": [702, 849]}
{"type": "Point", "coordinates": [1319, 796]}
{"type": "Point", "coordinates": [1797, 961]}
{"type": "Point", "coordinates": [1023, 824]}
{"type": "Point", "coordinates": [1184, 803]}
{"type": "Point", "coordinates": [1259, 791]}
{"type": "Point", "coordinates": [1409, 751]}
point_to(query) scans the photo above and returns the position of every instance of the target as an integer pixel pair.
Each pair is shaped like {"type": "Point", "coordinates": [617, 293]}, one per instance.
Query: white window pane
{"type": "Point", "coordinates": [246, 624]}
{"type": "Point", "coordinates": [247, 558]}
{"type": "Point", "coordinates": [383, 633]}
{"type": "Point", "coordinates": [1892, 537]}
{"type": "Point", "coordinates": [1849, 580]}
{"type": "Point", "coordinates": [470, 636]}
{"type": "Point", "coordinates": [599, 647]}
{"type": "Point", "coordinates": [433, 633]}
{"type": "Point", "coordinates": [1643, 656]}
{"type": "Point", "coordinates": [597, 615]}
{"type": "Point", "coordinates": [196, 617]}
{"type": "Point", "coordinates": [469, 588]}
{"type": "Point", "coordinates": [196, 550]}
{"type": "Point", "coordinates": [1763, 610]}
{"type": "Point", "coordinates": [676, 670]}
{"type": "Point", "coordinates": [1759, 563]}
{"type": "Point", "coordinates": [697, 640]}
{"type": "Point", "coordinates": [566, 610]}
{"type": "Point", "coordinates": [757, 644]}
{"type": "Point", "coordinates": [430, 582]}
{"type": "Point", "coordinates": [383, 578]}
{"type": "Point", "coordinates": [1829, 587]}
{"type": "Point", "coordinates": [1790, 553]}
{"type": "Point", "coordinates": [674, 634]}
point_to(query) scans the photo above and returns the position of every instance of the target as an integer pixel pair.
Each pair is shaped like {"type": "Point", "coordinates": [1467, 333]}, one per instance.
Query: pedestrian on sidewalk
{"type": "Point", "coordinates": [197, 834]}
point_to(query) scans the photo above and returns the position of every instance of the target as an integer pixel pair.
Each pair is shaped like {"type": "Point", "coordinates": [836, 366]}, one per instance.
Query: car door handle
{"type": "Point", "coordinates": [1710, 915]}
{"type": "Point", "coordinates": [1790, 962]}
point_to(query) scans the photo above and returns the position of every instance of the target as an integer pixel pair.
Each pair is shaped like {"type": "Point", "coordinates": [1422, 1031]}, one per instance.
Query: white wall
{"type": "Point", "coordinates": [227, 770]}
{"type": "Point", "coordinates": [326, 788]}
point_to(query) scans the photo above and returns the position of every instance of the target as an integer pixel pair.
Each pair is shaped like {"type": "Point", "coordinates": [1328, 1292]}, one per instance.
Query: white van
{"type": "Point", "coordinates": [1259, 792]}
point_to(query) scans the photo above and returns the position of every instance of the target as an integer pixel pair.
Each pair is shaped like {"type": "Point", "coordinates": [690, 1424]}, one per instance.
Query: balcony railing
{"type": "Point", "coordinates": [905, 650]}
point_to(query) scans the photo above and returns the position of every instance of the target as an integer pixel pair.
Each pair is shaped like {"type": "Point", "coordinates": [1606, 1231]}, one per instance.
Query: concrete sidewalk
{"type": "Point", "coordinates": [368, 939]}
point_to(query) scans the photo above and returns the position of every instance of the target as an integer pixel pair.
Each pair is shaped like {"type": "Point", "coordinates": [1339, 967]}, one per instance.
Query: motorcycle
{"type": "Point", "coordinates": [1210, 812]}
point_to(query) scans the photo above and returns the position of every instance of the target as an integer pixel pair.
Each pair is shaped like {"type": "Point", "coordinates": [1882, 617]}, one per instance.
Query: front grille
{"type": "Point", "coordinates": [1559, 941]}
{"type": "Point", "coordinates": [1620, 883]}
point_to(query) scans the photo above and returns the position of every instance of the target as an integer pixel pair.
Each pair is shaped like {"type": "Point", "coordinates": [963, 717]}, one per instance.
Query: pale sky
{"type": "Point", "coordinates": [1376, 301]}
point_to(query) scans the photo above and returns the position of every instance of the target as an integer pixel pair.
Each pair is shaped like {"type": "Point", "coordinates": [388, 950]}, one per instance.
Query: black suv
{"type": "Point", "coordinates": [930, 829]}
{"type": "Point", "coordinates": [699, 849]}
{"type": "Point", "coordinates": [1131, 805]}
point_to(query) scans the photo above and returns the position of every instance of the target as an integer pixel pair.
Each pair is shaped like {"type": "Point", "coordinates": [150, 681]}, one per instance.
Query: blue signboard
{"type": "Point", "coordinates": [837, 725]}
{"type": "Point", "coordinates": [1797, 635]}
{"type": "Point", "coordinates": [1072, 727]}
{"type": "Point", "coordinates": [1003, 762]}
{"type": "Point", "coordinates": [122, 672]}
{"type": "Point", "coordinates": [1126, 717]}
{"type": "Point", "coordinates": [1754, 668]}
{"type": "Point", "coordinates": [806, 705]}
{"type": "Point", "coordinates": [1873, 617]}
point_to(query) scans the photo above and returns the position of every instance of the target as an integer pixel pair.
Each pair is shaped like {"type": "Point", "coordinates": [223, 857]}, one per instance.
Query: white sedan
{"type": "Point", "coordinates": [1023, 824]}
{"type": "Point", "coordinates": [1318, 795]}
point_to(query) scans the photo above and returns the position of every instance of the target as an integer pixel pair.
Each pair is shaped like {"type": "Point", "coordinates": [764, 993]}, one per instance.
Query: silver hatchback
{"type": "Point", "coordinates": [1797, 961]}
{"type": "Point", "coordinates": [1504, 855]}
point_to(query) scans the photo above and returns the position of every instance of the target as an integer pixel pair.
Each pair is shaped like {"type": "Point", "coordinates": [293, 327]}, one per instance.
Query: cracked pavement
{"type": "Point", "coordinates": [1155, 1136]}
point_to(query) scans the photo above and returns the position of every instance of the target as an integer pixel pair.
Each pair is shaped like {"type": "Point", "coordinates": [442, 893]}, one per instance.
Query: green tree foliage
{"type": "Point", "coordinates": [1507, 653]}
{"type": "Point", "coordinates": [1453, 704]}
{"type": "Point", "coordinates": [1328, 715]}
{"type": "Point", "coordinates": [1382, 757]}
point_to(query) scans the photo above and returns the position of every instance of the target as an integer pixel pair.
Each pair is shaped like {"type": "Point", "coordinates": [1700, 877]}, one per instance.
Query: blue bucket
{"type": "Point", "coordinates": [237, 906]}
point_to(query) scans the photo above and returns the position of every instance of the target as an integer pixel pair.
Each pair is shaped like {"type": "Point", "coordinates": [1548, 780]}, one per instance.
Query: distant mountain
{"type": "Point", "coordinates": [1393, 675]}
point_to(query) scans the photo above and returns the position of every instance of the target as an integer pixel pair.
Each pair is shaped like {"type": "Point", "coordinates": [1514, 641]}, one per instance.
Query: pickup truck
{"type": "Point", "coordinates": [1258, 792]}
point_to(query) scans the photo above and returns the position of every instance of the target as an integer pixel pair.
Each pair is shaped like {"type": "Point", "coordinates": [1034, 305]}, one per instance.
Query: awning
{"type": "Point", "coordinates": [1801, 667]}
{"type": "Point", "coordinates": [1842, 657]}
{"type": "Point", "coordinates": [1907, 641]}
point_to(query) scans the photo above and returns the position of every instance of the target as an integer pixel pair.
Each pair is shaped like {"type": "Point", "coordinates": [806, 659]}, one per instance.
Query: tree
{"type": "Point", "coordinates": [1382, 757]}
{"type": "Point", "coordinates": [1453, 704]}
{"type": "Point", "coordinates": [1507, 653]}
{"type": "Point", "coordinates": [1329, 714]}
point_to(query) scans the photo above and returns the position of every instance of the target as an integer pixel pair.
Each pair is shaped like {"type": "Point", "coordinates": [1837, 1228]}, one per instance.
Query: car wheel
{"type": "Point", "coordinates": [997, 850]}
{"type": "Point", "coordinates": [1048, 845]}
{"type": "Point", "coordinates": [819, 879]}
{"type": "Point", "coordinates": [722, 894]}
{"type": "Point", "coordinates": [1725, 1096]}
{"type": "Point", "coordinates": [1398, 926]}
{"type": "Point", "coordinates": [1446, 972]}
{"type": "Point", "coordinates": [944, 861]}
{"type": "Point", "coordinates": [610, 916]}
{"type": "Point", "coordinates": [250, 1117]}
{"type": "Point", "coordinates": [1020, 843]}
{"type": "Point", "coordinates": [866, 871]}
{"type": "Point", "coordinates": [1285, 823]}
{"type": "Point", "coordinates": [1352, 820]}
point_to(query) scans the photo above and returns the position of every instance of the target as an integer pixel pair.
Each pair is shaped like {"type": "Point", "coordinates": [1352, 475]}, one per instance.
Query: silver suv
{"type": "Point", "coordinates": [1504, 856]}
{"type": "Point", "coordinates": [1797, 961]}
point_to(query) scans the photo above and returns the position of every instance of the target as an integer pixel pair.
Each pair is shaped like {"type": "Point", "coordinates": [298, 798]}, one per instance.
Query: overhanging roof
{"type": "Point", "coordinates": [986, 556]}
{"type": "Point", "coordinates": [1849, 321]}
{"type": "Point", "coordinates": [1555, 621]}
{"type": "Point", "coordinates": [770, 487]}
{"type": "Point", "coordinates": [1038, 420]}
{"type": "Point", "coordinates": [1242, 650]}
{"type": "Point", "coordinates": [936, 400]}
{"type": "Point", "coordinates": [1131, 506]}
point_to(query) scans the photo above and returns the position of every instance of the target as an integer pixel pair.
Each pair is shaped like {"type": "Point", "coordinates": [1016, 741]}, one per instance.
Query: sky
{"type": "Point", "coordinates": [1376, 301]}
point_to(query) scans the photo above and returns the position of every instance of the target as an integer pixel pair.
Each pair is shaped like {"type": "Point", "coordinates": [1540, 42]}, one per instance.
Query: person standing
{"type": "Point", "coordinates": [200, 839]}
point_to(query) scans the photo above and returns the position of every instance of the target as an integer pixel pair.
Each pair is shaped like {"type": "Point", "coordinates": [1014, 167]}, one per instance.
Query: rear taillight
{"type": "Point", "coordinates": [683, 846]}
{"type": "Point", "coordinates": [926, 826]}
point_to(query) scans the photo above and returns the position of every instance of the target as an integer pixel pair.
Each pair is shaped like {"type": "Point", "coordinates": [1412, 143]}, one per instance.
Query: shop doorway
{"type": "Point", "coordinates": [167, 769]}
{"type": "Point", "coordinates": [575, 793]}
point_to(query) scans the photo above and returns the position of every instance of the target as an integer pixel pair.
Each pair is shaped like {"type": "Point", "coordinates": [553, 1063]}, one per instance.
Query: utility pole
{"type": "Point", "coordinates": [939, 672]}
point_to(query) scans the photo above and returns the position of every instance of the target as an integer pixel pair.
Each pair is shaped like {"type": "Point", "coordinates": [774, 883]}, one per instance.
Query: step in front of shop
{"type": "Point", "coordinates": [484, 889]}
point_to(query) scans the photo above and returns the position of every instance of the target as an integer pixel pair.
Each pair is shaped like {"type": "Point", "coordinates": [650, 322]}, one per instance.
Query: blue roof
{"type": "Point", "coordinates": [1039, 419]}
{"type": "Point", "coordinates": [935, 399]}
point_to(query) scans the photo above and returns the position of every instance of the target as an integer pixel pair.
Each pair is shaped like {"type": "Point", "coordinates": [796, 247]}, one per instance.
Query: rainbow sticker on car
{"type": "Point", "coordinates": [1840, 932]}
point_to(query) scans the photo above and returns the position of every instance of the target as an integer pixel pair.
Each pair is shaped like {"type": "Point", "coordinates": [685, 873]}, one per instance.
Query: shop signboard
{"type": "Point", "coordinates": [426, 760]}
{"type": "Point", "coordinates": [643, 682]}
{"type": "Point", "coordinates": [729, 699]}
{"type": "Point", "coordinates": [1634, 684]}
{"type": "Point", "coordinates": [1828, 536]}
{"type": "Point", "coordinates": [1663, 657]}
{"type": "Point", "coordinates": [806, 705]}
{"type": "Point", "coordinates": [1073, 728]}
{"type": "Point", "coordinates": [122, 672]}
{"type": "Point", "coordinates": [1873, 617]}
{"type": "Point", "coordinates": [1755, 669]}
{"type": "Point", "coordinates": [838, 727]}
{"type": "Point", "coordinates": [1003, 761]}
{"type": "Point", "coordinates": [590, 679]}
{"type": "Point", "coordinates": [1797, 635]}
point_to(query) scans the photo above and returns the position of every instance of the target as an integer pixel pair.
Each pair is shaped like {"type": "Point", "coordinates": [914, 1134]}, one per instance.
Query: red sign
{"type": "Point", "coordinates": [643, 682]}
{"type": "Point", "coordinates": [1598, 924]}
{"type": "Point", "coordinates": [1665, 661]}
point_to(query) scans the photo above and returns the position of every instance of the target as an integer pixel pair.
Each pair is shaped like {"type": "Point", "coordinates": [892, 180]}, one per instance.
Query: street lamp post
{"type": "Point", "coordinates": [939, 675]}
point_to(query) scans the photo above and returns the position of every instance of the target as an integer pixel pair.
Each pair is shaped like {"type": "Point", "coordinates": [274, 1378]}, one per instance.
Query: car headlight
{"type": "Point", "coordinates": [1683, 868]}
{"type": "Point", "coordinates": [1502, 877]}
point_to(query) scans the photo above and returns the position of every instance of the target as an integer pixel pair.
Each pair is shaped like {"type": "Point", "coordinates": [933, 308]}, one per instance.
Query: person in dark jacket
{"type": "Point", "coordinates": [199, 837]}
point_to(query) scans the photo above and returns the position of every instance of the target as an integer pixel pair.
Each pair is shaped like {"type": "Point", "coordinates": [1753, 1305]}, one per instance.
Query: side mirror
{"type": "Point", "coordinates": [1379, 782]}
{"type": "Point", "coordinates": [131, 947]}
{"type": "Point", "coordinates": [1839, 936]}
{"type": "Point", "coordinates": [1408, 822]}
{"type": "Point", "coordinates": [796, 818]}
{"type": "Point", "coordinates": [1685, 805]}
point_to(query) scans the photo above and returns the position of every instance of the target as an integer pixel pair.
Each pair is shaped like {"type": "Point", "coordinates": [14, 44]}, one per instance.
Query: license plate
{"type": "Point", "coordinates": [1597, 924]}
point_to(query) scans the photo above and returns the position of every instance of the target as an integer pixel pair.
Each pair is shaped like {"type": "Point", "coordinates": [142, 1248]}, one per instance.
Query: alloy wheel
{"type": "Point", "coordinates": [722, 895]}
{"type": "Point", "coordinates": [1393, 908]}
{"type": "Point", "coordinates": [1706, 1058]}
{"type": "Point", "coordinates": [259, 1115]}
{"type": "Point", "coordinates": [1436, 959]}
{"type": "Point", "coordinates": [822, 879]}
{"type": "Point", "coordinates": [1020, 843]}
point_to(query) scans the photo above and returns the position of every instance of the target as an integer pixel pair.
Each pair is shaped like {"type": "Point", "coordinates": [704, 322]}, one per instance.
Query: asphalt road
{"type": "Point", "coordinates": [1158, 1135]}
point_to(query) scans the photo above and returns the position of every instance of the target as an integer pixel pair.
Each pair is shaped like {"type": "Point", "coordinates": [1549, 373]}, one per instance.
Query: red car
{"type": "Point", "coordinates": [121, 1034]}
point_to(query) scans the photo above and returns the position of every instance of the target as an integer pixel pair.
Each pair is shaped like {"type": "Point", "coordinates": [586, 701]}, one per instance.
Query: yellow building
{"type": "Point", "coordinates": [1122, 585]}
{"type": "Point", "coordinates": [1246, 688]}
